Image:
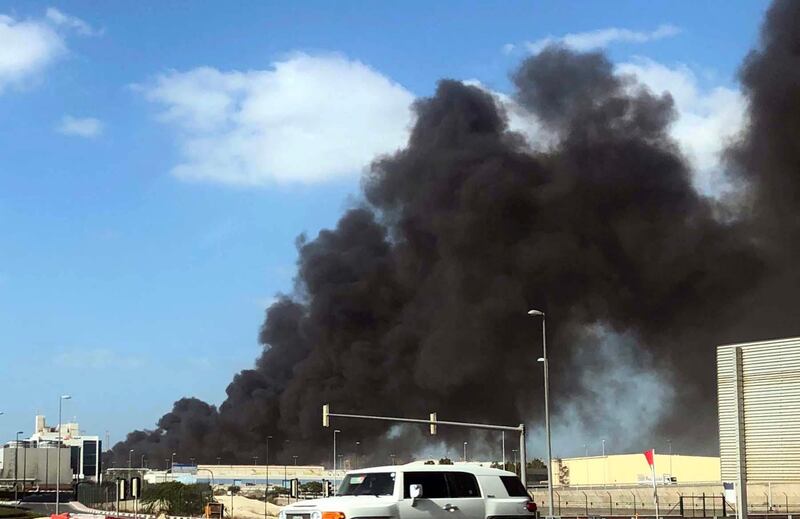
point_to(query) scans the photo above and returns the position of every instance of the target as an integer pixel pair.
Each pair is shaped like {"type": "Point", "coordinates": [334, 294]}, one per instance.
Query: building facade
{"type": "Point", "coordinates": [759, 411]}
{"type": "Point", "coordinates": [632, 469]}
{"type": "Point", "coordinates": [31, 468]}
{"type": "Point", "coordinates": [33, 463]}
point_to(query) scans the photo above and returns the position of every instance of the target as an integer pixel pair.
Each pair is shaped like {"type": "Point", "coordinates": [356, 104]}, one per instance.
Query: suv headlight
{"type": "Point", "coordinates": [281, 515]}
{"type": "Point", "coordinates": [316, 515]}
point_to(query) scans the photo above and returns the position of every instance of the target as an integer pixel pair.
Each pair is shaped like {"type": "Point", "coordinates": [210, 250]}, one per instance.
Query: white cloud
{"type": "Point", "coordinates": [306, 119]}
{"type": "Point", "coordinates": [56, 17]}
{"type": "Point", "coordinates": [583, 41]}
{"type": "Point", "coordinates": [27, 47]}
{"type": "Point", "coordinates": [80, 126]}
{"type": "Point", "coordinates": [521, 120]}
{"type": "Point", "coordinates": [707, 118]}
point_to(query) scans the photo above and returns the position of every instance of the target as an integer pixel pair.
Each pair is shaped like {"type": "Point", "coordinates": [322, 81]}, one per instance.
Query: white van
{"type": "Point", "coordinates": [421, 492]}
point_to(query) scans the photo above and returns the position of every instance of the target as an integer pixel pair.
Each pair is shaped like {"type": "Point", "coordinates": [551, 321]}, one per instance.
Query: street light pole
{"type": "Point", "coordinates": [543, 360]}
{"type": "Point", "coordinates": [58, 450]}
{"type": "Point", "coordinates": [335, 432]}
{"type": "Point", "coordinates": [24, 466]}
{"type": "Point", "coordinates": [130, 459]}
{"type": "Point", "coordinates": [266, 477]}
{"type": "Point", "coordinates": [669, 442]}
{"type": "Point", "coordinates": [503, 442]}
{"type": "Point", "coordinates": [514, 452]}
{"type": "Point", "coordinates": [16, 457]}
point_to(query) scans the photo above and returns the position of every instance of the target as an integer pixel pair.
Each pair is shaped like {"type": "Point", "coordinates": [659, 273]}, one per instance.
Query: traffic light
{"type": "Point", "coordinates": [326, 420]}
{"type": "Point", "coordinates": [433, 424]}
{"type": "Point", "coordinates": [326, 488]}
{"type": "Point", "coordinates": [295, 489]}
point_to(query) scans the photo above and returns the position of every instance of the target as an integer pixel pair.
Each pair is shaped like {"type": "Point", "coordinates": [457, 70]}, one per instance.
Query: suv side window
{"type": "Point", "coordinates": [462, 484]}
{"type": "Point", "coordinates": [433, 484]}
{"type": "Point", "coordinates": [514, 486]}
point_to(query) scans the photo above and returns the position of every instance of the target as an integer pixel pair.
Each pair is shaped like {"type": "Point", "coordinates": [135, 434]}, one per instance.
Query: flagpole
{"type": "Point", "coordinates": [655, 488]}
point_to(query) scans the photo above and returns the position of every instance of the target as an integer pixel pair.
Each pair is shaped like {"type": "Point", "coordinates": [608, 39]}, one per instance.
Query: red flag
{"type": "Point", "coordinates": [649, 455]}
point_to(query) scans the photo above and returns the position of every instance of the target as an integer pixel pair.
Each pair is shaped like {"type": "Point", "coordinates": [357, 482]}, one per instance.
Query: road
{"type": "Point", "coordinates": [45, 505]}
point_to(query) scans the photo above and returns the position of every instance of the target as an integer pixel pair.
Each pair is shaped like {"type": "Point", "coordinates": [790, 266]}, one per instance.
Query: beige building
{"type": "Point", "coordinates": [632, 469]}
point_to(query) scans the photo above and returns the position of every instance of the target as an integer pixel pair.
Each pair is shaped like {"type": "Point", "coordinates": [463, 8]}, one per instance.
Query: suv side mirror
{"type": "Point", "coordinates": [415, 491]}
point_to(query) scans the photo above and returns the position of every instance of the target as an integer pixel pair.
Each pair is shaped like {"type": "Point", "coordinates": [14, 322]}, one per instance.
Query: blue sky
{"type": "Point", "coordinates": [158, 160]}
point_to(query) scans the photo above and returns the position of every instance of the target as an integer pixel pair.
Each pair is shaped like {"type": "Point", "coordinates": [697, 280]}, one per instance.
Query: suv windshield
{"type": "Point", "coordinates": [368, 484]}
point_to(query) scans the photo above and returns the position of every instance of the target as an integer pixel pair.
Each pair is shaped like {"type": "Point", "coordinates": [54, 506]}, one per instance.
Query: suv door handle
{"type": "Point", "coordinates": [449, 508]}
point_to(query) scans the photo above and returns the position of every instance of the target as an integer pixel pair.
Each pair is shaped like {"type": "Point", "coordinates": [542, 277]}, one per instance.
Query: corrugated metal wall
{"type": "Point", "coordinates": [770, 397]}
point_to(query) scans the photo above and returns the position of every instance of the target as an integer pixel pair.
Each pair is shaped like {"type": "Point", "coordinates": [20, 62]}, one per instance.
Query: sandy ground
{"type": "Point", "coordinates": [246, 508]}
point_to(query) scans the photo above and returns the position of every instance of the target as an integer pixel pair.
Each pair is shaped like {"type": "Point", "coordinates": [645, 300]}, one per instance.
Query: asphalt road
{"type": "Point", "coordinates": [46, 505]}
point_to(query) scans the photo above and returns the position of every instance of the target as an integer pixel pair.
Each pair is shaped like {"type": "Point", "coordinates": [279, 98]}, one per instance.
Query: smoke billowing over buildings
{"type": "Point", "coordinates": [416, 300]}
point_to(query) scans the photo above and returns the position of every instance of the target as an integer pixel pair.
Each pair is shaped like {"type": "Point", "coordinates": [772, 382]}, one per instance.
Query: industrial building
{"type": "Point", "coordinates": [28, 467]}
{"type": "Point", "coordinates": [759, 411]}
{"type": "Point", "coordinates": [632, 469]}
{"type": "Point", "coordinates": [33, 463]}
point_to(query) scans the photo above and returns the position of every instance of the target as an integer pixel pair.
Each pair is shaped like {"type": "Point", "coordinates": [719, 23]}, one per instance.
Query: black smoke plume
{"type": "Point", "coordinates": [416, 301]}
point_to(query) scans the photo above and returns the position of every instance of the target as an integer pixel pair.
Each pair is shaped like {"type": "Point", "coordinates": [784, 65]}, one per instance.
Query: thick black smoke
{"type": "Point", "coordinates": [416, 301]}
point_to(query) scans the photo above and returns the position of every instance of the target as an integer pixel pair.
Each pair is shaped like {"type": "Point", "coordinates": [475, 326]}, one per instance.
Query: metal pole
{"type": "Point", "coordinates": [504, 449]}
{"type": "Point", "coordinates": [16, 457]}
{"type": "Point", "coordinates": [58, 451]}
{"type": "Point", "coordinates": [25, 468]}
{"type": "Point", "coordinates": [465, 452]}
{"type": "Point", "coordinates": [514, 452]}
{"type": "Point", "coordinates": [655, 488]}
{"type": "Point", "coordinates": [335, 431]}
{"type": "Point", "coordinates": [523, 459]}
{"type": "Point", "coordinates": [546, 409]}
{"type": "Point", "coordinates": [605, 465]}
{"type": "Point", "coordinates": [266, 483]}
{"type": "Point", "coordinates": [669, 442]}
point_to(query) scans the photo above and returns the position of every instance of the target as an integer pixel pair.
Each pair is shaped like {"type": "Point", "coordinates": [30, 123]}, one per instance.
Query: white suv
{"type": "Point", "coordinates": [421, 492]}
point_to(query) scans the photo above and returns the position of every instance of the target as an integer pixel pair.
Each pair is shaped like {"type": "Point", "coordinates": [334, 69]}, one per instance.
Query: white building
{"type": "Point", "coordinates": [85, 450]}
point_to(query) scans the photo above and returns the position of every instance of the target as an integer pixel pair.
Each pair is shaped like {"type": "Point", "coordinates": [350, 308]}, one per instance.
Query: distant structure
{"type": "Point", "coordinates": [33, 463]}
{"type": "Point", "coordinates": [759, 410]}
{"type": "Point", "coordinates": [632, 469]}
